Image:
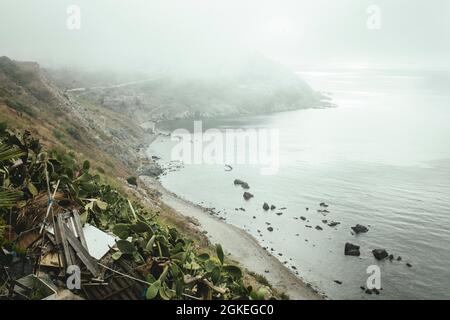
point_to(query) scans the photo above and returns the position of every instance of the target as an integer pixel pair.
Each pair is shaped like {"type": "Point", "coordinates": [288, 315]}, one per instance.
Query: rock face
{"type": "Point", "coordinates": [359, 228]}
{"type": "Point", "coordinates": [380, 254]}
{"type": "Point", "coordinates": [247, 195]}
{"type": "Point", "coordinates": [150, 170]}
{"type": "Point", "coordinates": [351, 250]}
{"type": "Point", "coordinates": [266, 206]}
{"type": "Point", "coordinates": [241, 183]}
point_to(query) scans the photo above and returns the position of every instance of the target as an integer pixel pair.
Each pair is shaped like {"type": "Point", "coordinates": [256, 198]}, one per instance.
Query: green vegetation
{"type": "Point", "coordinates": [19, 107]}
{"type": "Point", "coordinates": [260, 278]}
{"type": "Point", "coordinates": [73, 133]}
{"type": "Point", "coordinates": [173, 266]}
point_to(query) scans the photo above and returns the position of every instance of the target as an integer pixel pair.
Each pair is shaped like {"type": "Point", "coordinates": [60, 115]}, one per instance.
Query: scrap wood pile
{"type": "Point", "coordinates": [56, 214]}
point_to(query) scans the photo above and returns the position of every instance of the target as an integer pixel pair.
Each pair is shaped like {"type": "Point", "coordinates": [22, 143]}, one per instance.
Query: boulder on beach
{"type": "Point", "coordinates": [266, 206]}
{"type": "Point", "coordinates": [359, 228]}
{"type": "Point", "coordinates": [380, 254]}
{"type": "Point", "coordinates": [351, 250]}
{"type": "Point", "coordinates": [247, 195]}
{"type": "Point", "coordinates": [241, 183]}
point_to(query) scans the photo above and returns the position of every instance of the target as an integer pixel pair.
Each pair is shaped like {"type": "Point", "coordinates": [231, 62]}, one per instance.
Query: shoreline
{"type": "Point", "coordinates": [241, 246]}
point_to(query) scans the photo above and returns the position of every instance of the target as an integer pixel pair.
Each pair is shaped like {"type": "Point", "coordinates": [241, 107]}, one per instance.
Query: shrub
{"type": "Point", "coordinates": [19, 107]}
{"type": "Point", "coordinates": [58, 134]}
{"type": "Point", "coordinates": [132, 181]}
{"type": "Point", "coordinates": [73, 133]}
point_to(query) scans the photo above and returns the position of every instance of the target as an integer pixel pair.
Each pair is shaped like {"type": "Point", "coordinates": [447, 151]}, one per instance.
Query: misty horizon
{"type": "Point", "coordinates": [212, 36]}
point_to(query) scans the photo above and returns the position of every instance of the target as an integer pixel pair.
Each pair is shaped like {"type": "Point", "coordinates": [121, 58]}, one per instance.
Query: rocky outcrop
{"type": "Point", "coordinates": [380, 254]}
{"type": "Point", "coordinates": [241, 183]}
{"type": "Point", "coordinates": [248, 195]}
{"type": "Point", "coordinates": [359, 228]}
{"type": "Point", "coordinates": [351, 250]}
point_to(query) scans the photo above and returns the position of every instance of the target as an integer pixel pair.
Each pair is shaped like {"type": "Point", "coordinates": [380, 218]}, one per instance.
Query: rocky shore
{"type": "Point", "coordinates": [240, 245]}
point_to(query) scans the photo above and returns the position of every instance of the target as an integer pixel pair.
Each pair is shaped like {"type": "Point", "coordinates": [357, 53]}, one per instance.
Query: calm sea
{"type": "Point", "coordinates": [381, 158]}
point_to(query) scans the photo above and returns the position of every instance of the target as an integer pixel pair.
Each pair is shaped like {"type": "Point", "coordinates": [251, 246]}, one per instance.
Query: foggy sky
{"type": "Point", "coordinates": [195, 34]}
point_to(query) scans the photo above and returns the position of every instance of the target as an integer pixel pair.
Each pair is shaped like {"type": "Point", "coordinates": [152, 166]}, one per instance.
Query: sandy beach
{"type": "Point", "coordinates": [241, 246]}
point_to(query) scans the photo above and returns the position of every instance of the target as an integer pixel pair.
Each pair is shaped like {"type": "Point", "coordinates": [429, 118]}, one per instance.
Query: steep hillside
{"type": "Point", "coordinates": [257, 86]}
{"type": "Point", "coordinates": [30, 100]}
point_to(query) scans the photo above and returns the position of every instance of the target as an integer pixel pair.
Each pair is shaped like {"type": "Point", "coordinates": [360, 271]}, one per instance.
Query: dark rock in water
{"type": "Point", "coordinates": [325, 221]}
{"type": "Point", "coordinates": [359, 228]}
{"type": "Point", "coordinates": [368, 291]}
{"type": "Point", "coordinates": [391, 257]}
{"type": "Point", "coordinates": [242, 209]}
{"type": "Point", "coordinates": [380, 254]}
{"type": "Point", "coordinates": [279, 213]}
{"type": "Point", "coordinates": [307, 209]}
{"type": "Point", "coordinates": [338, 282]}
{"type": "Point", "coordinates": [270, 229]}
{"type": "Point", "coordinates": [266, 206]}
{"type": "Point", "coordinates": [294, 267]}
{"type": "Point", "coordinates": [333, 224]}
{"type": "Point", "coordinates": [247, 195]}
{"type": "Point", "coordinates": [284, 208]}
{"type": "Point", "coordinates": [254, 217]}
{"type": "Point", "coordinates": [323, 204]}
{"type": "Point", "coordinates": [399, 258]}
{"type": "Point", "coordinates": [307, 226]}
{"type": "Point", "coordinates": [351, 250]}
{"type": "Point", "coordinates": [376, 291]}
{"type": "Point", "coordinates": [272, 207]}
{"type": "Point", "coordinates": [363, 288]}
{"type": "Point", "coordinates": [319, 228]}
{"type": "Point", "coordinates": [409, 265]}
{"type": "Point", "coordinates": [303, 218]}
{"type": "Point", "coordinates": [241, 183]}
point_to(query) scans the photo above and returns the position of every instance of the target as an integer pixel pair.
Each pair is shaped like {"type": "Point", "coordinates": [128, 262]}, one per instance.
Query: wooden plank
{"type": "Point", "coordinates": [79, 228]}
{"type": "Point", "coordinates": [56, 231]}
{"type": "Point", "coordinates": [62, 234]}
{"type": "Point", "coordinates": [82, 253]}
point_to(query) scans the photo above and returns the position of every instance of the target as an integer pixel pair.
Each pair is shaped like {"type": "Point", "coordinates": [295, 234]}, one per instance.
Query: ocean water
{"type": "Point", "coordinates": [381, 158]}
